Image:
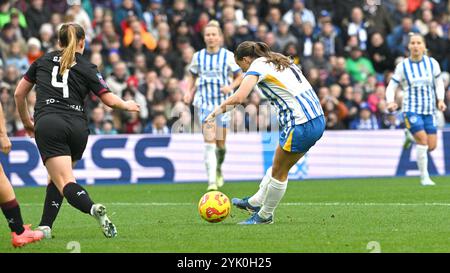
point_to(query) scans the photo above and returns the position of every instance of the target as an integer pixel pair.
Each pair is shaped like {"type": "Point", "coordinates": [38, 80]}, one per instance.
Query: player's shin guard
{"type": "Point", "coordinates": [11, 210]}
{"type": "Point", "coordinates": [78, 197]}
{"type": "Point", "coordinates": [257, 199]}
{"type": "Point", "coordinates": [275, 192]}
{"type": "Point", "coordinates": [52, 204]}
{"type": "Point", "coordinates": [422, 160]}
{"type": "Point", "coordinates": [211, 162]}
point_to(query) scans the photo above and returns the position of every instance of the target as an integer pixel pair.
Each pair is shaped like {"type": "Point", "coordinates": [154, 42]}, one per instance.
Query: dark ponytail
{"type": "Point", "coordinates": [69, 36]}
{"type": "Point", "coordinates": [260, 49]}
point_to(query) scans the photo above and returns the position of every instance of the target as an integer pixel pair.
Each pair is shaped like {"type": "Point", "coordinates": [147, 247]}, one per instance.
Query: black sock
{"type": "Point", "coordinates": [11, 210]}
{"type": "Point", "coordinates": [78, 197]}
{"type": "Point", "coordinates": [52, 204]}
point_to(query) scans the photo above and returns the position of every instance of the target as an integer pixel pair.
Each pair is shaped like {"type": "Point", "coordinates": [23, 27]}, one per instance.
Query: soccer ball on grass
{"type": "Point", "coordinates": [214, 206]}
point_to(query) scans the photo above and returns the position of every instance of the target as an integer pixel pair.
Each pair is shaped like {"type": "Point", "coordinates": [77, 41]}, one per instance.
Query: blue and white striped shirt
{"type": "Point", "coordinates": [417, 80]}
{"type": "Point", "coordinates": [288, 90]}
{"type": "Point", "coordinates": [213, 71]}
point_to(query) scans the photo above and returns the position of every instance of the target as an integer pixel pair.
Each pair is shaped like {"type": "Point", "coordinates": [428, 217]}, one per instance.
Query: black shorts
{"type": "Point", "coordinates": [61, 134]}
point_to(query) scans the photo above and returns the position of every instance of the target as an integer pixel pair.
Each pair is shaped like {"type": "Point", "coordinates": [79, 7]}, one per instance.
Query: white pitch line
{"type": "Point", "coordinates": [282, 204]}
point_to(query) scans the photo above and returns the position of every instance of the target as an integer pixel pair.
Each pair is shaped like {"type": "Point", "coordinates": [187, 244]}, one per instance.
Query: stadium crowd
{"type": "Point", "coordinates": [347, 50]}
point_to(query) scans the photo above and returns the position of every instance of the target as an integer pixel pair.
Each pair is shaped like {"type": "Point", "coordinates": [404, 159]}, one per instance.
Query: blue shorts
{"type": "Point", "coordinates": [417, 122]}
{"type": "Point", "coordinates": [221, 120]}
{"type": "Point", "coordinates": [300, 138]}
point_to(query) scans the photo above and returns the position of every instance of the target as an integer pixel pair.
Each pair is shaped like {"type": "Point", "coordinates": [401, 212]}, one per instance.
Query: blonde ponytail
{"type": "Point", "coordinates": [68, 53]}
{"type": "Point", "coordinates": [69, 36]}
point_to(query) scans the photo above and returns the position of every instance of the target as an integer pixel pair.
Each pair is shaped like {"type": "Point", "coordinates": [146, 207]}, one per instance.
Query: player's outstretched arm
{"type": "Point", "coordinates": [115, 102]}
{"type": "Point", "coordinates": [20, 95]}
{"type": "Point", "coordinates": [247, 85]}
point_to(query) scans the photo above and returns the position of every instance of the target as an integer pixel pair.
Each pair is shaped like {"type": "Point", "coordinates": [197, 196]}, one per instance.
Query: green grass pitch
{"type": "Point", "coordinates": [394, 214]}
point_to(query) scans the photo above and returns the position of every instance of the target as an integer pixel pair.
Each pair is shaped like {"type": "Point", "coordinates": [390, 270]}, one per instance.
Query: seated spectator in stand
{"type": "Point", "coordinates": [318, 61]}
{"type": "Point", "coordinates": [398, 39]}
{"type": "Point", "coordinates": [391, 121]}
{"type": "Point", "coordinates": [158, 125]}
{"type": "Point", "coordinates": [333, 122]}
{"type": "Point", "coordinates": [284, 36]}
{"type": "Point", "coordinates": [17, 59]}
{"type": "Point", "coordinates": [366, 120]}
{"type": "Point", "coordinates": [359, 67]}
{"type": "Point", "coordinates": [108, 128]}
{"type": "Point", "coordinates": [133, 27]}
{"type": "Point", "coordinates": [380, 54]}
{"type": "Point", "coordinates": [96, 124]}
{"type": "Point", "coordinates": [34, 50]}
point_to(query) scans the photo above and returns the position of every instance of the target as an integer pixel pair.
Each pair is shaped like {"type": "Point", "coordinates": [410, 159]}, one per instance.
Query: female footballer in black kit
{"type": "Point", "coordinates": [63, 79]}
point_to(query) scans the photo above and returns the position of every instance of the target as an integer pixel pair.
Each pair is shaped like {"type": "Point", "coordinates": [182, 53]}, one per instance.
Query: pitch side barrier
{"type": "Point", "coordinates": [178, 158]}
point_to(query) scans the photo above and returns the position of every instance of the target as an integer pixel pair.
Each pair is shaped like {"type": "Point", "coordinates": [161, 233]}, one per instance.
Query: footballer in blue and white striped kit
{"type": "Point", "coordinates": [423, 90]}
{"type": "Point", "coordinates": [212, 70]}
{"type": "Point", "coordinates": [300, 117]}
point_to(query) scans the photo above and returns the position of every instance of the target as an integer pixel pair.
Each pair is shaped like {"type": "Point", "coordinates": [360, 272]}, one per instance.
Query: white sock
{"type": "Point", "coordinates": [257, 199]}
{"type": "Point", "coordinates": [211, 162]}
{"type": "Point", "coordinates": [422, 160]}
{"type": "Point", "coordinates": [275, 192]}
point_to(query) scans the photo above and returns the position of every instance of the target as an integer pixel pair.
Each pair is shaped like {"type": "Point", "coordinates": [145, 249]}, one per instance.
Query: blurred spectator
{"type": "Point", "coordinates": [81, 17]}
{"type": "Point", "coordinates": [423, 22]}
{"type": "Point", "coordinates": [391, 121]}
{"type": "Point", "coordinates": [36, 15]}
{"type": "Point", "coordinates": [436, 45]}
{"type": "Point", "coordinates": [358, 27]}
{"type": "Point", "coordinates": [365, 120]}
{"type": "Point", "coordinates": [96, 124]}
{"type": "Point", "coordinates": [273, 18]}
{"type": "Point", "coordinates": [332, 42]}
{"type": "Point", "coordinates": [6, 12]}
{"type": "Point", "coordinates": [158, 125]}
{"type": "Point", "coordinates": [57, 6]}
{"type": "Point", "coordinates": [359, 67]}
{"type": "Point", "coordinates": [296, 28]}
{"type": "Point", "coordinates": [283, 36]}
{"type": "Point", "coordinates": [398, 39]}
{"type": "Point", "coordinates": [401, 11]}
{"type": "Point", "coordinates": [376, 97]}
{"type": "Point", "coordinates": [378, 17]}
{"type": "Point", "coordinates": [21, 31]}
{"type": "Point", "coordinates": [34, 50]}
{"type": "Point", "coordinates": [17, 58]}
{"type": "Point", "coordinates": [136, 27]}
{"type": "Point", "coordinates": [46, 36]}
{"type": "Point", "coordinates": [7, 37]}
{"type": "Point", "coordinates": [291, 50]}
{"type": "Point", "coordinates": [307, 40]}
{"type": "Point", "coordinates": [179, 11]}
{"type": "Point", "coordinates": [126, 9]}
{"type": "Point", "coordinates": [117, 80]}
{"type": "Point", "coordinates": [318, 61]}
{"type": "Point", "coordinates": [108, 128]}
{"type": "Point", "coordinates": [333, 122]}
{"type": "Point", "coordinates": [298, 6]}
{"type": "Point", "coordinates": [379, 54]}
{"type": "Point", "coordinates": [243, 33]}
